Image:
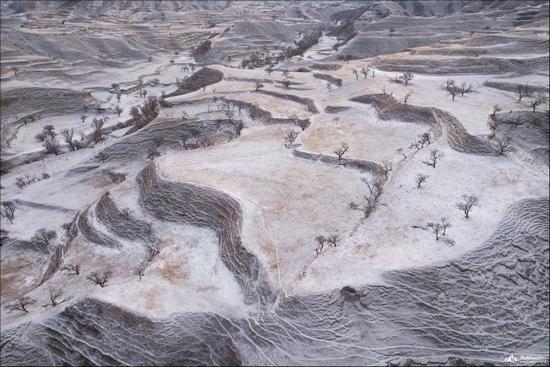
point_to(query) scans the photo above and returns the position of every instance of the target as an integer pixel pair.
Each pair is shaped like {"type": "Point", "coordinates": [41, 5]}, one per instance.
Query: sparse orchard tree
{"type": "Point", "coordinates": [387, 167]}
{"type": "Point", "coordinates": [425, 138]}
{"type": "Point", "coordinates": [97, 125]}
{"type": "Point", "coordinates": [99, 279]}
{"type": "Point", "coordinates": [420, 179]}
{"type": "Point", "coordinates": [436, 228]}
{"type": "Point", "coordinates": [406, 77]}
{"type": "Point", "coordinates": [83, 118]}
{"type": "Point", "coordinates": [43, 237]}
{"type": "Point", "coordinates": [523, 90]}
{"type": "Point", "coordinates": [118, 110]}
{"type": "Point", "coordinates": [444, 225]}
{"type": "Point", "coordinates": [21, 304]}
{"type": "Point", "coordinates": [504, 145]}
{"type": "Point", "coordinates": [467, 203]}
{"type": "Point", "coordinates": [56, 298]}
{"type": "Point", "coordinates": [492, 125]}
{"type": "Point", "coordinates": [286, 73]}
{"type": "Point", "coordinates": [465, 88]}
{"type": "Point", "coordinates": [68, 136]}
{"type": "Point", "coordinates": [72, 269]}
{"type": "Point", "coordinates": [286, 83]}
{"type": "Point", "coordinates": [435, 156]}
{"type": "Point", "coordinates": [51, 145]}
{"type": "Point", "coordinates": [453, 91]}
{"type": "Point", "coordinates": [7, 210]}
{"type": "Point", "coordinates": [406, 97]}
{"type": "Point", "coordinates": [537, 100]}
{"type": "Point", "coordinates": [449, 83]}
{"type": "Point", "coordinates": [340, 152]}
{"type": "Point", "coordinates": [365, 72]}
{"type": "Point", "coordinates": [355, 73]}
{"type": "Point", "coordinates": [329, 87]}
{"type": "Point", "coordinates": [259, 85]}
{"type": "Point", "coordinates": [333, 240]}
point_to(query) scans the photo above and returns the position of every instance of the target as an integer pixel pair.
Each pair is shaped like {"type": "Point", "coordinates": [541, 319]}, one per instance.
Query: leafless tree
{"type": "Point", "coordinates": [504, 145]}
{"type": "Point", "coordinates": [370, 202]}
{"type": "Point", "coordinates": [118, 95]}
{"type": "Point", "coordinates": [97, 125]}
{"type": "Point", "coordinates": [290, 138]}
{"type": "Point", "coordinates": [7, 210]}
{"type": "Point", "coordinates": [118, 110]}
{"type": "Point", "coordinates": [83, 118]}
{"type": "Point", "coordinates": [420, 179]}
{"type": "Point", "coordinates": [51, 145]}
{"type": "Point", "coordinates": [49, 130]}
{"type": "Point", "coordinates": [99, 279]}
{"type": "Point", "coordinates": [68, 136]}
{"type": "Point", "coordinates": [444, 225]}
{"type": "Point", "coordinates": [72, 269]}
{"type": "Point", "coordinates": [321, 240]}
{"type": "Point", "coordinates": [523, 90]}
{"type": "Point", "coordinates": [537, 100]}
{"type": "Point", "coordinates": [453, 91]}
{"type": "Point", "coordinates": [333, 240]}
{"type": "Point", "coordinates": [436, 228]}
{"type": "Point", "coordinates": [355, 73]}
{"type": "Point", "coordinates": [406, 97]}
{"type": "Point", "coordinates": [56, 298]}
{"type": "Point", "coordinates": [373, 73]}
{"type": "Point", "coordinates": [329, 87]}
{"type": "Point", "coordinates": [467, 203]}
{"type": "Point", "coordinates": [465, 88]}
{"type": "Point", "coordinates": [43, 237]}
{"type": "Point", "coordinates": [21, 304]}
{"type": "Point", "coordinates": [286, 83]}
{"type": "Point", "coordinates": [435, 155]}
{"type": "Point", "coordinates": [340, 153]}
{"type": "Point", "coordinates": [449, 83]}
{"type": "Point", "coordinates": [406, 77]}
{"type": "Point", "coordinates": [365, 72]}
{"type": "Point", "coordinates": [259, 85]}
{"type": "Point", "coordinates": [286, 73]}
{"type": "Point", "coordinates": [425, 138]}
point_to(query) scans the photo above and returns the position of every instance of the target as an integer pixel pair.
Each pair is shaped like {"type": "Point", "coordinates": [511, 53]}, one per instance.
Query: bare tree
{"type": "Point", "coordinates": [453, 91]}
{"type": "Point", "coordinates": [492, 125]}
{"type": "Point", "coordinates": [406, 77]}
{"type": "Point", "coordinates": [6, 134]}
{"type": "Point", "coordinates": [21, 304]}
{"type": "Point", "coordinates": [464, 88]}
{"type": "Point", "coordinates": [290, 138]}
{"type": "Point", "coordinates": [321, 240]}
{"type": "Point", "coordinates": [406, 97]}
{"type": "Point", "coordinates": [83, 118]}
{"type": "Point", "coordinates": [504, 145]}
{"type": "Point", "coordinates": [370, 201]}
{"type": "Point", "coordinates": [425, 138]}
{"type": "Point", "coordinates": [355, 73]}
{"type": "Point", "coordinates": [420, 179]}
{"type": "Point", "coordinates": [68, 136]}
{"type": "Point", "coordinates": [97, 134]}
{"type": "Point", "coordinates": [467, 203]}
{"type": "Point", "coordinates": [286, 83]}
{"type": "Point", "coordinates": [436, 228]}
{"type": "Point", "coordinates": [51, 145]}
{"type": "Point", "coordinates": [286, 73]}
{"type": "Point", "coordinates": [523, 90]}
{"type": "Point", "coordinates": [449, 83]}
{"type": "Point", "coordinates": [444, 225]}
{"type": "Point", "coordinates": [118, 110]}
{"type": "Point", "coordinates": [537, 100]}
{"type": "Point", "coordinates": [56, 298]}
{"type": "Point", "coordinates": [259, 85]}
{"type": "Point", "coordinates": [435, 155]}
{"type": "Point", "coordinates": [99, 279]}
{"type": "Point", "coordinates": [365, 72]}
{"type": "Point", "coordinates": [333, 240]}
{"type": "Point", "coordinates": [340, 153]}
{"type": "Point", "coordinates": [43, 237]}
{"type": "Point", "coordinates": [7, 210]}
{"type": "Point", "coordinates": [72, 269]}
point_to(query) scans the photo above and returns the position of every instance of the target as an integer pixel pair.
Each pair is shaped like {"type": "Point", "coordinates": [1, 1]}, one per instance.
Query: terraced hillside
{"type": "Point", "coordinates": [274, 183]}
